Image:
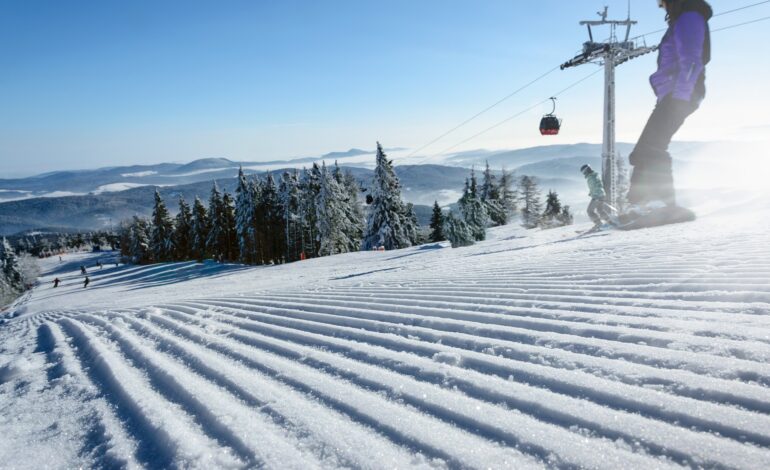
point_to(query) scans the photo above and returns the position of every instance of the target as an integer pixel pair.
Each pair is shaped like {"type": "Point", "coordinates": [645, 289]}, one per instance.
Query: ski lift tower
{"type": "Point", "coordinates": [610, 54]}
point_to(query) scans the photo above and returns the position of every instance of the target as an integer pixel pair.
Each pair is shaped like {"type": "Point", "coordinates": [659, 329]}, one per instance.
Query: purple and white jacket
{"type": "Point", "coordinates": [683, 54]}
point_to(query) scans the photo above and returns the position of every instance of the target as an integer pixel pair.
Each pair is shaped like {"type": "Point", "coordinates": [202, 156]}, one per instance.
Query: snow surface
{"type": "Point", "coordinates": [139, 174]}
{"type": "Point", "coordinates": [122, 186]}
{"type": "Point", "coordinates": [646, 349]}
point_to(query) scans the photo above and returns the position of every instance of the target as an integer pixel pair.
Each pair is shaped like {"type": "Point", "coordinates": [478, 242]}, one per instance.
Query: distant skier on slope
{"type": "Point", "coordinates": [56, 282]}
{"type": "Point", "coordinates": [86, 282]}
{"type": "Point", "coordinates": [598, 210]}
{"type": "Point", "coordinates": [679, 84]}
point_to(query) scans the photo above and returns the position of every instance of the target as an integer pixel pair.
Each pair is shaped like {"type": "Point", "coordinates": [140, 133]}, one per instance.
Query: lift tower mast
{"type": "Point", "coordinates": [610, 54]}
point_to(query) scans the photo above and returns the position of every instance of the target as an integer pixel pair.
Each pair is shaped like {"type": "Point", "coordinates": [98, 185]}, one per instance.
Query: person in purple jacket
{"type": "Point", "coordinates": [680, 86]}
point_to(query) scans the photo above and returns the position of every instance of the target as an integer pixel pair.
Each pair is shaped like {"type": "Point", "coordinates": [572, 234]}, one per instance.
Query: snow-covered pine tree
{"type": "Point", "coordinates": [11, 271]}
{"type": "Point", "coordinates": [272, 219]}
{"type": "Point", "coordinates": [310, 185]}
{"type": "Point", "coordinates": [331, 216]}
{"type": "Point", "coordinates": [289, 197]}
{"type": "Point", "coordinates": [7, 292]}
{"type": "Point", "coordinates": [244, 224]}
{"type": "Point", "coordinates": [140, 251]}
{"type": "Point", "coordinates": [257, 219]}
{"type": "Point", "coordinates": [530, 199]}
{"type": "Point", "coordinates": [216, 243]}
{"type": "Point", "coordinates": [183, 233]}
{"type": "Point", "coordinates": [200, 230]}
{"type": "Point", "coordinates": [124, 238]}
{"type": "Point", "coordinates": [508, 197]}
{"type": "Point", "coordinates": [229, 237]}
{"type": "Point", "coordinates": [385, 225]}
{"type": "Point", "coordinates": [552, 212]}
{"type": "Point", "coordinates": [162, 231]}
{"type": "Point", "coordinates": [437, 224]}
{"type": "Point", "coordinates": [473, 210]}
{"type": "Point", "coordinates": [566, 217]}
{"type": "Point", "coordinates": [354, 211]}
{"type": "Point", "coordinates": [490, 196]}
{"type": "Point", "coordinates": [412, 224]}
{"type": "Point", "coordinates": [457, 231]}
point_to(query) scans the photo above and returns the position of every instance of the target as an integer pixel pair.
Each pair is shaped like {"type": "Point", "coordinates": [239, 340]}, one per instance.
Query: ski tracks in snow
{"type": "Point", "coordinates": [628, 362]}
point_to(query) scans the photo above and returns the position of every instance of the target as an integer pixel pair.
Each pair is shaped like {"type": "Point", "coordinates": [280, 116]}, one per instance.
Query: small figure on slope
{"type": "Point", "coordinates": [56, 282]}
{"type": "Point", "coordinates": [86, 282]}
{"type": "Point", "coordinates": [679, 85]}
{"type": "Point", "coordinates": [598, 210]}
{"type": "Point", "coordinates": [82, 269]}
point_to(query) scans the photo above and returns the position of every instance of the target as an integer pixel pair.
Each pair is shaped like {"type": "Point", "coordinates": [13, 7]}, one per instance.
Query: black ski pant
{"type": "Point", "coordinates": [652, 178]}
{"type": "Point", "coordinates": [598, 210]}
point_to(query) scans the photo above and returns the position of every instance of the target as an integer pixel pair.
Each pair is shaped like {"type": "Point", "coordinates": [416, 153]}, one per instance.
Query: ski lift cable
{"type": "Point", "coordinates": [727, 12]}
{"type": "Point", "coordinates": [542, 76]}
{"type": "Point", "coordinates": [520, 113]}
{"type": "Point", "coordinates": [757, 20]}
{"type": "Point", "coordinates": [488, 108]}
{"type": "Point", "coordinates": [572, 86]}
{"type": "Point", "coordinates": [764, 18]}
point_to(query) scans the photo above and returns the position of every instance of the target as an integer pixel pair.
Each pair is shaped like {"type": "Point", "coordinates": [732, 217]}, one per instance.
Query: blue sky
{"type": "Point", "coordinates": [101, 83]}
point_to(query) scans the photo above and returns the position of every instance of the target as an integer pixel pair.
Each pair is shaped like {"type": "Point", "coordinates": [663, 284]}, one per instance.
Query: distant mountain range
{"type": "Point", "coordinates": [92, 199]}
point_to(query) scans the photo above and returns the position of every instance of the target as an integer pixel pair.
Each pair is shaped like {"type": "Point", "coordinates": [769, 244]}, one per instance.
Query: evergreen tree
{"type": "Point", "coordinates": [272, 221]}
{"type": "Point", "coordinates": [258, 220]}
{"type": "Point", "coordinates": [244, 223]}
{"type": "Point", "coordinates": [310, 186]}
{"type": "Point", "coordinates": [139, 250]}
{"type": "Point", "coordinates": [457, 231]}
{"type": "Point", "coordinates": [183, 233]}
{"type": "Point", "coordinates": [161, 242]}
{"type": "Point", "coordinates": [124, 239]}
{"type": "Point", "coordinates": [9, 265]}
{"type": "Point", "coordinates": [437, 224]}
{"type": "Point", "coordinates": [331, 216]}
{"type": "Point", "coordinates": [530, 198]}
{"type": "Point", "coordinates": [507, 195]}
{"type": "Point", "coordinates": [386, 226]}
{"type": "Point", "coordinates": [553, 209]}
{"type": "Point", "coordinates": [354, 212]}
{"type": "Point", "coordinates": [216, 243]}
{"type": "Point", "coordinates": [473, 209]}
{"type": "Point", "coordinates": [412, 224]}
{"type": "Point", "coordinates": [200, 230]}
{"type": "Point", "coordinates": [566, 217]}
{"type": "Point", "coordinates": [491, 197]}
{"type": "Point", "coordinates": [229, 235]}
{"type": "Point", "coordinates": [289, 197]}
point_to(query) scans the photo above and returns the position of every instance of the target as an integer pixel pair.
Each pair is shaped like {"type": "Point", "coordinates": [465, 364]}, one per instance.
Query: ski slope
{"type": "Point", "coordinates": [534, 349]}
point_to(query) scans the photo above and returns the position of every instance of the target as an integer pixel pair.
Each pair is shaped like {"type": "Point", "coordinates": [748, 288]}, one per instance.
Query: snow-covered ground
{"type": "Point", "coordinates": [647, 349]}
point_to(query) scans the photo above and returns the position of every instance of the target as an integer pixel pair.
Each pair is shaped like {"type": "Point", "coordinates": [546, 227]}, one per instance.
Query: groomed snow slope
{"type": "Point", "coordinates": [647, 349]}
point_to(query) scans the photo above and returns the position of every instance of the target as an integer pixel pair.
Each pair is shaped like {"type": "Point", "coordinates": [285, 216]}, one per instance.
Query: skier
{"type": "Point", "coordinates": [82, 269]}
{"type": "Point", "coordinates": [679, 84]}
{"type": "Point", "coordinates": [598, 210]}
{"type": "Point", "coordinates": [86, 282]}
{"type": "Point", "coordinates": [56, 283]}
